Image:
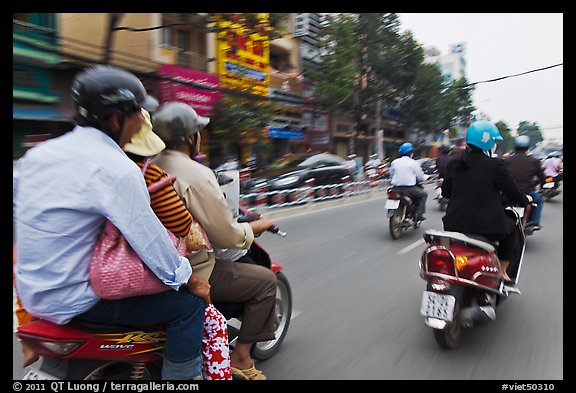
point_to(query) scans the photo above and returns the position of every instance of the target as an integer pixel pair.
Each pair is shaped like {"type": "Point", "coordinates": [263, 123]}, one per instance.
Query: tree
{"type": "Point", "coordinates": [241, 122]}
{"type": "Point", "coordinates": [507, 145]}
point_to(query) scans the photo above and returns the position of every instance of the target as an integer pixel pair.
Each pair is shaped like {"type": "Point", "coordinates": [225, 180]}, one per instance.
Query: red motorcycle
{"type": "Point", "coordinates": [463, 282]}
{"type": "Point", "coordinates": [88, 351]}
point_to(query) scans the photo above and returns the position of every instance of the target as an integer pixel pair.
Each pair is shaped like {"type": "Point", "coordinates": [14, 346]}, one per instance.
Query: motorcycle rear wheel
{"type": "Point", "coordinates": [396, 223]}
{"type": "Point", "coordinates": [266, 349]}
{"type": "Point", "coordinates": [449, 337]}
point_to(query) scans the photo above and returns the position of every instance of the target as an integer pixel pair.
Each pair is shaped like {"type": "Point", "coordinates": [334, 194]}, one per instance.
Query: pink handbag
{"type": "Point", "coordinates": [215, 349]}
{"type": "Point", "coordinates": [116, 270]}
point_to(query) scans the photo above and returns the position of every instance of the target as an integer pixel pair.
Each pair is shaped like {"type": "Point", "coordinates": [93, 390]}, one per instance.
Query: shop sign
{"type": "Point", "coordinates": [202, 100]}
{"type": "Point", "coordinates": [243, 57]}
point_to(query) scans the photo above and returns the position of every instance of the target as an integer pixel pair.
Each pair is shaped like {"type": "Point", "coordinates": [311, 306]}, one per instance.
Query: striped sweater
{"type": "Point", "coordinates": [166, 203]}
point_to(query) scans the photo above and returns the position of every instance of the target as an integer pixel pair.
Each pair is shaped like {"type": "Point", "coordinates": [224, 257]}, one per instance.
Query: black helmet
{"type": "Point", "coordinates": [176, 121]}
{"type": "Point", "coordinates": [101, 90]}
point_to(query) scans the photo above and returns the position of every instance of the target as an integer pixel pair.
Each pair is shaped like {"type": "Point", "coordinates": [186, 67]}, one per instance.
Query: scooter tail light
{"type": "Point", "coordinates": [61, 348]}
{"type": "Point", "coordinates": [441, 261]}
{"type": "Point", "coordinates": [394, 195]}
{"type": "Point", "coordinates": [52, 347]}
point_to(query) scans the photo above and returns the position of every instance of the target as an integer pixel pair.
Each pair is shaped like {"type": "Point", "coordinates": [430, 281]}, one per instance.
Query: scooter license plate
{"type": "Point", "coordinates": [436, 305]}
{"type": "Point", "coordinates": [392, 204]}
{"type": "Point", "coordinates": [548, 185]}
{"type": "Point", "coordinates": [37, 375]}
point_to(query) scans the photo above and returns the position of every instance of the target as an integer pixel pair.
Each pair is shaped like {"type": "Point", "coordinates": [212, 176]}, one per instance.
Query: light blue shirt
{"type": "Point", "coordinates": [405, 171]}
{"type": "Point", "coordinates": [63, 189]}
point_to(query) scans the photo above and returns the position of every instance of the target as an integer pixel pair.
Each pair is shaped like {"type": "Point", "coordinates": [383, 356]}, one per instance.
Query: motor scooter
{"type": "Point", "coordinates": [89, 351]}
{"type": "Point", "coordinates": [551, 188]}
{"type": "Point", "coordinates": [442, 201]}
{"type": "Point", "coordinates": [463, 281]}
{"type": "Point", "coordinates": [401, 211]}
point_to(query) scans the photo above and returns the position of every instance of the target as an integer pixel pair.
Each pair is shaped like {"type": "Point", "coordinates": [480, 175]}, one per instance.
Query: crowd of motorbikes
{"type": "Point", "coordinates": [463, 290]}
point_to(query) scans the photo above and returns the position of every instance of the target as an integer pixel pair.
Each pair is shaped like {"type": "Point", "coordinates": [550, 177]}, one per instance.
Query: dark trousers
{"type": "Point", "coordinates": [253, 285]}
{"type": "Point", "coordinates": [418, 195]}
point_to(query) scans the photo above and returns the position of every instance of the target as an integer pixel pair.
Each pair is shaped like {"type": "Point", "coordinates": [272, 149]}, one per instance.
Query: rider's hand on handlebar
{"type": "Point", "coordinates": [261, 225]}
{"type": "Point", "coordinates": [199, 287]}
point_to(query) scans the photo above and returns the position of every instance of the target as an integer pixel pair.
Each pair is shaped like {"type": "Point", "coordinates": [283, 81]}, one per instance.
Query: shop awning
{"type": "Point", "coordinates": [39, 113]}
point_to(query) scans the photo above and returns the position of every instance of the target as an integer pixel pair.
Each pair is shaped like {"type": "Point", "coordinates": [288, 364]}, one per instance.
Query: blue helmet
{"type": "Point", "coordinates": [405, 148]}
{"type": "Point", "coordinates": [483, 134]}
{"type": "Point", "coordinates": [522, 141]}
{"type": "Point", "coordinates": [555, 153]}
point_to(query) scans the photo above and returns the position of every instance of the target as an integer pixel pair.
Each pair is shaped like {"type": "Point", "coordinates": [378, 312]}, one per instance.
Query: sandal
{"type": "Point", "coordinates": [251, 373]}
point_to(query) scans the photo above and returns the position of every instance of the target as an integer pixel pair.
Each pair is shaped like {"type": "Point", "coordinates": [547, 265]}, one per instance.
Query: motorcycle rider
{"type": "Point", "coordinates": [179, 126]}
{"type": "Point", "coordinates": [553, 167]}
{"type": "Point", "coordinates": [65, 189]}
{"type": "Point", "coordinates": [527, 172]}
{"type": "Point", "coordinates": [442, 160]}
{"type": "Point", "coordinates": [405, 175]}
{"type": "Point", "coordinates": [474, 184]}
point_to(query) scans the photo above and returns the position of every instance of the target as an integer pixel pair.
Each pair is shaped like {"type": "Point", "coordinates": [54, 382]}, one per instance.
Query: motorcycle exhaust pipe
{"type": "Point", "coordinates": [473, 316]}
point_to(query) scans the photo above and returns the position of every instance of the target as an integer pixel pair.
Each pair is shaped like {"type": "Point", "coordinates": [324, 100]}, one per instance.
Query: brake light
{"type": "Point", "coordinates": [549, 179]}
{"type": "Point", "coordinates": [393, 195]}
{"type": "Point", "coordinates": [49, 347]}
{"type": "Point", "coordinates": [441, 261]}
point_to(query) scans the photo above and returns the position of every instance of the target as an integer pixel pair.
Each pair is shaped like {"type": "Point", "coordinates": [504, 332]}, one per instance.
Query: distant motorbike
{"type": "Point", "coordinates": [463, 282]}
{"type": "Point", "coordinates": [378, 172]}
{"type": "Point", "coordinates": [551, 188]}
{"type": "Point", "coordinates": [401, 212]}
{"type": "Point", "coordinates": [442, 201]}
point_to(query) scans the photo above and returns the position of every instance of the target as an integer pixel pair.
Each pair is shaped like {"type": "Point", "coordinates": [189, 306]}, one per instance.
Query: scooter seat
{"type": "Point", "coordinates": [433, 235]}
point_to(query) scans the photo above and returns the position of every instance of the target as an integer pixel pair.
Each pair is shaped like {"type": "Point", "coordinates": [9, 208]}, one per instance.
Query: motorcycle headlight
{"type": "Point", "coordinates": [286, 181]}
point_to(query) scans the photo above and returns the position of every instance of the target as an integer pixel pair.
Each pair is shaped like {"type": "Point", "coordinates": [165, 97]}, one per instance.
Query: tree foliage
{"type": "Point", "coordinates": [366, 59]}
{"type": "Point", "coordinates": [241, 120]}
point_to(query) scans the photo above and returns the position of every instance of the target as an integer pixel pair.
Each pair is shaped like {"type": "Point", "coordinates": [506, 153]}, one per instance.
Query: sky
{"type": "Point", "coordinates": [503, 44]}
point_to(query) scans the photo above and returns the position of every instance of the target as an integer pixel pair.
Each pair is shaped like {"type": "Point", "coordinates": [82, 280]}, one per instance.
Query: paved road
{"type": "Point", "coordinates": [357, 294]}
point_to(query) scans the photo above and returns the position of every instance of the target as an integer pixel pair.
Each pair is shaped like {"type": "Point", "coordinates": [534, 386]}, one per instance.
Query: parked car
{"type": "Point", "coordinates": [294, 171]}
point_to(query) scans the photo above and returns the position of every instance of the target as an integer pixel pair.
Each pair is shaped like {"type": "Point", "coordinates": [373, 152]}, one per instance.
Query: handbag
{"type": "Point", "coordinates": [215, 349]}
{"type": "Point", "coordinates": [116, 270]}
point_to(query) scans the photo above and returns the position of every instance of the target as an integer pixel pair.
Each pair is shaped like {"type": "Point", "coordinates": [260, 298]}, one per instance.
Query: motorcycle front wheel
{"type": "Point", "coordinates": [266, 349]}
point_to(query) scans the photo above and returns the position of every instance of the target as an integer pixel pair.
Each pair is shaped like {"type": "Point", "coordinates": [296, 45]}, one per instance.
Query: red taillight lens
{"type": "Point", "coordinates": [393, 195]}
{"type": "Point", "coordinates": [440, 261]}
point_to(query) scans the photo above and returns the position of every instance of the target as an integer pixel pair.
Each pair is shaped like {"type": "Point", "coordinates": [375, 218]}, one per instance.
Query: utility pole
{"type": "Point", "coordinates": [113, 20]}
{"type": "Point", "coordinates": [376, 149]}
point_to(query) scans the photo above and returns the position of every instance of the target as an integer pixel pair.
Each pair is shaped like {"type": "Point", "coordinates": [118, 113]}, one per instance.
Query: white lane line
{"type": "Point", "coordinates": [410, 247]}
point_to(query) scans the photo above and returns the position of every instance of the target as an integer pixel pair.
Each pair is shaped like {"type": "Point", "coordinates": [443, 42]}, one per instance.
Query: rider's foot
{"type": "Point", "coordinates": [536, 227]}
{"type": "Point", "coordinates": [251, 373]}
{"type": "Point", "coordinates": [420, 218]}
{"type": "Point", "coordinates": [29, 355]}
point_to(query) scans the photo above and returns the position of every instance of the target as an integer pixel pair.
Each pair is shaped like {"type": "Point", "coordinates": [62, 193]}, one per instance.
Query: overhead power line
{"type": "Point", "coordinates": [513, 75]}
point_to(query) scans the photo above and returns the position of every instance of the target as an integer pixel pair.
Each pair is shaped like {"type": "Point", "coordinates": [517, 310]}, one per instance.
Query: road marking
{"type": "Point", "coordinates": [410, 247]}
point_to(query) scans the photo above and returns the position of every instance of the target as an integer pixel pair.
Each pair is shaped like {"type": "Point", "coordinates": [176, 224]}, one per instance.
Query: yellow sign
{"type": "Point", "coordinates": [243, 54]}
